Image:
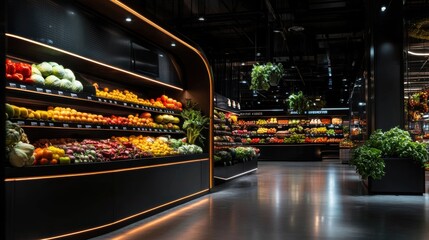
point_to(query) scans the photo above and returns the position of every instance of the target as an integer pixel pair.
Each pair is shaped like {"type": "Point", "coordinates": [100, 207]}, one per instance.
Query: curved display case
{"type": "Point", "coordinates": [89, 198]}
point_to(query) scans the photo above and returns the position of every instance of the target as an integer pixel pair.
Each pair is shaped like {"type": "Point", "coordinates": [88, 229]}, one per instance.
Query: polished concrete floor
{"type": "Point", "coordinates": [289, 200]}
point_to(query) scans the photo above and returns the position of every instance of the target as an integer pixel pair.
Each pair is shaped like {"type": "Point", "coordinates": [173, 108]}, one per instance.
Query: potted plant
{"type": "Point", "coordinates": [298, 102]}
{"type": "Point", "coordinates": [392, 163]}
{"type": "Point", "coordinates": [266, 75]}
{"type": "Point", "coordinates": [194, 123]}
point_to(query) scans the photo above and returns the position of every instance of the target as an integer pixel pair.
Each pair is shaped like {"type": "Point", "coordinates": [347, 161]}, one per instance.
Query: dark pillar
{"type": "Point", "coordinates": [2, 119]}
{"type": "Point", "coordinates": [387, 33]}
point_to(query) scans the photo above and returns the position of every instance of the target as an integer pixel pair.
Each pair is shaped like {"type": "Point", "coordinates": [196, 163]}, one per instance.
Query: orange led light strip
{"type": "Point", "coordinates": [126, 218]}
{"type": "Point", "coordinates": [100, 172]}
{"type": "Point", "coordinates": [93, 61]}
{"type": "Point", "coordinates": [132, 232]}
{"type": "Point", "coordinates": [146, 20]}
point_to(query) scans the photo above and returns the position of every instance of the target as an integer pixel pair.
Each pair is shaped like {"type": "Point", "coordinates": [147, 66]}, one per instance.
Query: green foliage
{"type": "Point", "coordinates": [194, 123]}
{"type": "Point", "coordinates": [368, 162]}
{"type": "Point", "coordinates": [393, 143]}
{"type": "Point", "coordinates": [265, 75]}
{"type": "Point", "coordinates": [298, 102]}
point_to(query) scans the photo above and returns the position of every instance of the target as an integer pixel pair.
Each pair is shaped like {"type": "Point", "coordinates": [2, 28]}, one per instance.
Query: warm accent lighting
{"type": "Point", "coordinates": [128, 19]}
{"type": "Point", "coordinates": [126, 218]}
{"type": "Point", "coordinates": [100, 172]}
{"type": "Point", "coordinates": [173, 44]}
{"type": "Point", "coordinates": [418, 54]}
{"type": "Point", "coordinates": [130, 234]}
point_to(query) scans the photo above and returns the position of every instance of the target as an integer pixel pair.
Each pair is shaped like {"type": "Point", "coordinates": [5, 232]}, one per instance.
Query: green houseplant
{"type": "Point", "coordinates": [194, 123]}
{"type": "Point", "coordinates": [391, 163]}
{"type": "Point", "coordinates": [266, 75]}
{"type": "Point", "coordinates": [298, 102]}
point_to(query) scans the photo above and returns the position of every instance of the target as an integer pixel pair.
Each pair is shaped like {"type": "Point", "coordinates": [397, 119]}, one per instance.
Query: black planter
{"type": "Point", "coordinates": [403, 177]}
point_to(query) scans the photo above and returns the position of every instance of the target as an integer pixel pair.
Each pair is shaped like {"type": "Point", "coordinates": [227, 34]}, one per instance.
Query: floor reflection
{"type": "Point", "coordinates": [289, 200]}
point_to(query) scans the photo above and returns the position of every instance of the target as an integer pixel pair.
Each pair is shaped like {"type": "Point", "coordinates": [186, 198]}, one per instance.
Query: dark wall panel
{"type": "Point", "coordinates": [62, 24]}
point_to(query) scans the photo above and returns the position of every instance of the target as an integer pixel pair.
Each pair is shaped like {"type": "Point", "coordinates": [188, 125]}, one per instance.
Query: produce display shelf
{"type": "Point", "coordinates": [228, 143]}
{"type": "Point", "coordinates": [54, 171]}
{"type": "Point", "coordinates": [24, 91]}
{"type": "Point", "coordinates": [220, 132]}
{"type": "Point", "coordinates": [88, 126]}
{"type": "Point", "coordinates": [275, 125]}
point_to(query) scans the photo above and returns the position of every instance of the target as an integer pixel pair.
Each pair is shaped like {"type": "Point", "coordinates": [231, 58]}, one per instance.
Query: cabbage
{"type": "Point", "coordinates": [190, 149]}
{"type": "Point", "coordinates": [66, 84]}
{"type": "Point", "coordinates": [52, 81]}
{"type": "Point", "coordinates": [34, 70]}
{"type": "Point", "coordinates": [38, 79]}
{"type": "Point", "coordinates": [58, 71]}
{"type": "Point", "coordinates": [68, 74]}
{"type": "Point", "coordinates": [45, 68]}
{"type": "Point", "coordinates": [76, 86]}
{"type": "Point", "coordinates": [53, 64]}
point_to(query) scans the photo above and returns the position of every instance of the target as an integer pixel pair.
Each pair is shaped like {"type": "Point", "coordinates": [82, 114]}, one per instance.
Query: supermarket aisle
{"type": "Point", "coordinates": [289, 200]}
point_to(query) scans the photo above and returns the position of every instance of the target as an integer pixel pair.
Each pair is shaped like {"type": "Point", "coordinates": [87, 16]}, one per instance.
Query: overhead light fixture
{"type": "Point", "coordinates": [277, 31]}
{"type": "Point", "coordinates": [201, 19]}
{"type": "Point", "coordinates": [383, 8]}
{"type": "Point", "coordinates": [243, 81]}
{"type": "Point", "coordinates": [258, 54]}
{"type": "Point", "coordinates": [344, 80]}
{"type": "Point", "coordinates": [418, 54]}
{"type": "Point", "coordinates": [296, 29]}
{"type": "Point", "coordinates": [128, 19]}
{"type": "Point", "coordinates": [242, 64]}
{"type": "Point", "coordinates": [173, 44]}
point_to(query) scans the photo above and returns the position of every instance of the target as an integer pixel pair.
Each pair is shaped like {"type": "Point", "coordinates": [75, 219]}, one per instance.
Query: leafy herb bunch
{"type": "Point", "coordinates": [194, 123]}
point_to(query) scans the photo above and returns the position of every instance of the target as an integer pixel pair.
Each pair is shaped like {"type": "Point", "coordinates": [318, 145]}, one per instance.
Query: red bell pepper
{"type": "Point", "coordinates": [10, 68]}
{"type": "Point", "coordinates": [25, 70]}
{"type": "Point", "coordinates": [8, 76]}
{"type": "Point", "coordinates": [17, 77]}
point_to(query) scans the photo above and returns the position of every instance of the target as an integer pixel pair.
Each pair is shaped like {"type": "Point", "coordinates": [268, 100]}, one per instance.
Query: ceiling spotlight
{"type": "Point", "coordinates": [202, 19]}
{"type": "Point", "coordinates": [383, 8]}
{"type": "Point", "coordinates": [344, 80]}
{"type": "Point", "coordinates": [277, 31]}
{"type": "Point", "coordinates": [160, 55]}
{"type": "Point", "coordinates": [242, 64]}
{"type": "Point", "coordinates": [258, 54]}
{"type": "Point", "coordinates": [128, 19]}
{"type": "Point", "coordinates": [173, 44]}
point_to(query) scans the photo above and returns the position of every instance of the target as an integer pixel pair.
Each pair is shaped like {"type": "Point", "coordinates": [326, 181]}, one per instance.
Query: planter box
{"type": "Point", "coordinates": [403, 177]}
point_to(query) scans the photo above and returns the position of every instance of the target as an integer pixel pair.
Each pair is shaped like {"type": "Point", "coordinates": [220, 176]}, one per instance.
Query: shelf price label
{"type": "Point", "coordinates": [20, 122]}
{"type": "Point", "coordinates": [12, 84]}
{"type": "Point", "coordinates": [39, 89]}
{"type": "Point", "coordinates": [51, 124]}
{"type": "Point", "coordinates": [125, 104]}
{"type": "Point", "coordinates": [111, 127]}
{"type": "Point", "coordinates": [124, 128]}
{"type": "Point", "coordinates": [89, 97]}
{"type": "Point", "coordinates": [34, 123]}
{"type": "Point", "coordinates": [110, 101]}
{"type": "Point", "coordinates": [65, 125]}
{"type": "Point", "coordinates": [48, 91]}
{"type": "Point", "coordinates": [60, 92]}
{"type": "Point", "coordinates": [88, 126]}
{"type": "Point", "coordinates": [42, 124]}
{"type": "Point", "coordinates": [115, 102]}
{"type": "Point", "coordinates": [22, 86]}
{"type": "Point", "coordinates": [139, 129]}
{"type": "Point", "coordinates": [73, 94]}
{"type": "Point", "coordinates": [116, 127]}
{"type": "Point", "coordinates": [79, 126]}
{"type": "Point", "coordinates": [98, 127]}
{"type": "Point", "coordinates": [132, 105]}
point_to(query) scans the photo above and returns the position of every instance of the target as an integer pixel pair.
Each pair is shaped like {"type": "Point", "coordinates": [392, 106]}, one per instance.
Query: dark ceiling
{"type": "Point", "coordinates": [320, 43]}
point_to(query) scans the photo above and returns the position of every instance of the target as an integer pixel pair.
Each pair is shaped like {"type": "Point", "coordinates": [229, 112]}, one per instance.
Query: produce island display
{"type": "Point", "coordinates": [231, 158]}
{"type": "Point", "coordinates": [78, 128]}
{"type": "Point", "coordinates": [306, 138]}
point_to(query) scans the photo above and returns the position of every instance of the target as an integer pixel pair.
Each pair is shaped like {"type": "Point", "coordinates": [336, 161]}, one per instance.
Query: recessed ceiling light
{"type": "Point", "coordinates": [173, 44]}
{"type": "Point", "coordinates": [161, 55]}
{"type": "Point", "coordinates": [128, 19]}
{"type": "Point", "coordinates": [242, 64]}
{"type": "Point", "coordinates": [277, 31]}
{"type": "Point", "coordinates": [258, 54]}
{"type": "Point", "coordinates": [202, 19]}
{"type": "Point", "coordinates": [383, 8]}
